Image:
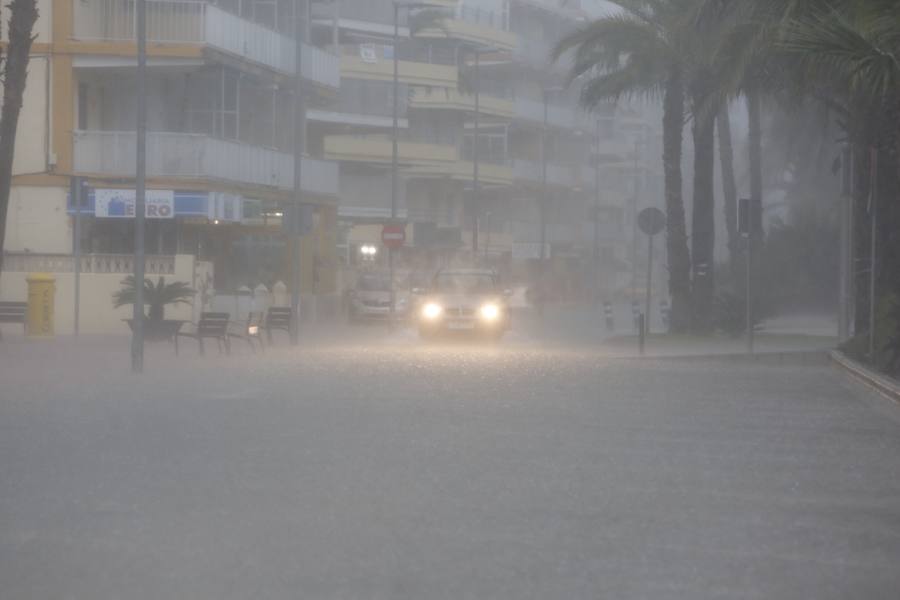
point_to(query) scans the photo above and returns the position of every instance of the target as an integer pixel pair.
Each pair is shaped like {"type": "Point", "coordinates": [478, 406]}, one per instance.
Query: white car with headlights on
{"type": "Point", "coordinates": [468, 301]}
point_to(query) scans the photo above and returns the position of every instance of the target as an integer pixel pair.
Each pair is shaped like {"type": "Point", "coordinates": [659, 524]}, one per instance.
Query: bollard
{"type": "Point", "coordinates": [642, 333]}
{"type": "Point", "coordinates": [41, 297]}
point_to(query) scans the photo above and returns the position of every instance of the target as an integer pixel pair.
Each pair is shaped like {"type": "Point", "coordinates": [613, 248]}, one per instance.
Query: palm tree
{"type": "Point", "coordinates": [23, 15]}
{"type": "Point", "coordinates": [747, 64]}
{"type": "Point", "coordinates": [639, 53]}
{"type": "Point", "coordinates": [849, 55]}
{"type": "Point", "coordinates": [155, 296]}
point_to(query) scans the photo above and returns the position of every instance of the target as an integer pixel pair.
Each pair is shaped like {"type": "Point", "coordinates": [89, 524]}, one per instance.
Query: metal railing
{"type": "Point", "coordinates": [27, 262]}
{"type": "Point", "coordinates": [557, 116]}
{"type": "Point", "coordinates": [194, 22]}
{"type": "Point", "coordinates": [530, 171]}
{"type": "Point", "coordinates": [200, 157]}
{"type": "Point", "coordinates": [480, 16]}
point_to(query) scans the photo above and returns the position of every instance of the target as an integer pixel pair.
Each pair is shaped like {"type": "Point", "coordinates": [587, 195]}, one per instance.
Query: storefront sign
{"type": "Point", "coordinates": [119, 204]}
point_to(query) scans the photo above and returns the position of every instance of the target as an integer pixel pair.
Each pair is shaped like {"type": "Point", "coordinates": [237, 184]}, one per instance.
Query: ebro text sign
{"type": "Point", "coordinates": [119, 204]}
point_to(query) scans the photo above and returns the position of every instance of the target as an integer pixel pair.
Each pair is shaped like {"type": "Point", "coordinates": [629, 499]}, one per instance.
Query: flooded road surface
{"type": "Point", "coordinates": [376, 467]}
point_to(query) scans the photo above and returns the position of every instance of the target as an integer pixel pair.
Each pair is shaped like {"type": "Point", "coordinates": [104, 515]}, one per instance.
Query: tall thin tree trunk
{"type": "Point", "coordinates": [703, 234]}
{"type": "Point", "coordinates": [729, 191]}
{"type": "Point", "coordinates": [23, 14]}
{"type": "Point", "coordinates": [679, 257]}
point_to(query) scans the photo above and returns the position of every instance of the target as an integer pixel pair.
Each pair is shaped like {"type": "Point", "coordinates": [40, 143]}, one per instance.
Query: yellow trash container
{"type": "Point", "coordinates": [41, 297]}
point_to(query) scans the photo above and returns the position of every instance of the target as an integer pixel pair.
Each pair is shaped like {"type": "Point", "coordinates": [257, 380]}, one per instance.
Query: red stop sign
{"type": "Point", "coordinates": [393, 236]}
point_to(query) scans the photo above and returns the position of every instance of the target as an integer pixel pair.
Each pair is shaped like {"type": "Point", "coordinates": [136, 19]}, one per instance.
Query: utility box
{"type": "Point", "coordinates": [41, 304]}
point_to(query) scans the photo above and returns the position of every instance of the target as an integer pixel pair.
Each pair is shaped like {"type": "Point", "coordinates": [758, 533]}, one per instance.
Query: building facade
{"type": "Point", "coordinates": [220, 145]}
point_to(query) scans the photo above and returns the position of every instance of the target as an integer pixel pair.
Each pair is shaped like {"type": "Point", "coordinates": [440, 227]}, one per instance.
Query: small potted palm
{"type": "Point", "coordinates": [156, 298]}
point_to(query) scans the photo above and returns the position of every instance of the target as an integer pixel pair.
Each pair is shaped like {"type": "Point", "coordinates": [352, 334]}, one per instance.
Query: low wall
{"type": "Point", "coordinates": [97, 288]}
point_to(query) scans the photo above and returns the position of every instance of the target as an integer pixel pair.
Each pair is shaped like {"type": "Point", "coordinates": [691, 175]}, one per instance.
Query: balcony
{"type": "Point", "coordinates": [451, 99]}
{"type": "Point", "coordinates": [179, 22]}
{"type": "Point", "coordinates": [379, 149]}
{"type": "Point", "coordinates": [410, 72]}
{"type": "Point", "coordinates": [490, 174]}
{"type": "Point", "coordinates": [557, 116]}
{"type": "Point", "coordinates": [192, 156]}
{"type": "Point", "coordinates": [474, 25]}
{"type": "Point", "coordinates": [530, 172]}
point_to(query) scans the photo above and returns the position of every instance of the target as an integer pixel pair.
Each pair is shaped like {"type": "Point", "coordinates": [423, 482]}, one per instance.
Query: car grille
{"type": "Point", "coordinates": [459, 312]}
{"type": "Point", "coordinates": [377, 303]}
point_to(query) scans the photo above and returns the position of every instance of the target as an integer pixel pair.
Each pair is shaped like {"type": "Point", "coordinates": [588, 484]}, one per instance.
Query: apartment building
{"type": "Point", "coordinates": [220, 81]}
{"type": "Point", "coordinates": [527, 117]}
{"type": "Point", "coordinates": [220, 144]}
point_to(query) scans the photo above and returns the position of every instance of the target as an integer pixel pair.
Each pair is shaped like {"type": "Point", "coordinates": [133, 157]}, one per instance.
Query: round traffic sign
{"type": "Point", "coordinates": [393, 235]}
{"type": "Point", "coordinates": [651, 220]}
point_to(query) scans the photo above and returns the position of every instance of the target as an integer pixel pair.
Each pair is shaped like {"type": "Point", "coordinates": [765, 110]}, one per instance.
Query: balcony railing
{"type": "Point", "coordinates": [557, 116]}
{"type": "Point", "coordinates": [480, 16]}
{"type": "Point", "coordinates": [196, 156]}
{"type": "Point", "coordinates": [529, 171]}
{"type": "Point", "coordinates": [196, 22]}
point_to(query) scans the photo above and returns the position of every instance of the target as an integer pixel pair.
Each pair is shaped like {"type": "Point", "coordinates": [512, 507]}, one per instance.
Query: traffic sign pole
{"type": "Point", "coordinates": [393, 236]}
{"type": "Point", "coordinates": [649, 282]}
{"type": "Point", "coordinates": [651, 221]}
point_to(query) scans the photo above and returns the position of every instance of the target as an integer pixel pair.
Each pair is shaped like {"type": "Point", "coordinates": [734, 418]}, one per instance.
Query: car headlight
{"type": "Point", "coordinates": [490, 312]}
{"type": "Point", "coordinates": [432, 311]}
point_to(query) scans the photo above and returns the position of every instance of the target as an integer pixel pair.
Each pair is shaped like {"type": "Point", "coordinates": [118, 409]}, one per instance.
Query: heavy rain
{"type": "Point", "coordinates": [401, 299]}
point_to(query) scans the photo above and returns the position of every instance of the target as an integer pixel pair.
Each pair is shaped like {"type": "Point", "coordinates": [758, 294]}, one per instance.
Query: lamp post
{"type": "Point", "coordinates": [137, 337]}
{"type": "Point", "coordinates": [634, 227]}
{"type": "Point", "coordinates": [543, 208]}
{"type": "Point", "coordinates": [596, 246]}
{"type": "Point", "coordinates": [299, 143]}
{"type": "Point", "coordinates": [476, 181]}
{"type": "Point", "coordinates": [395, 132]}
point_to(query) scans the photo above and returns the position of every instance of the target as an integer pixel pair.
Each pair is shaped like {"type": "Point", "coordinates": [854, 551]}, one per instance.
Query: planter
{"type": "Point", "coordinates": [158, 330]}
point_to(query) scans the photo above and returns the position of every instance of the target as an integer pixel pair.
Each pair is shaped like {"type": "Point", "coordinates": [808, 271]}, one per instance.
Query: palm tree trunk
{"type": "Point", "coordinates": [729, 191]}
{"type": "Point", "coordinates": [703, 235]}
{"type": "Point", "coordinates": [679, 257]}
{"type": "Point", "coordinates": [23, 14]}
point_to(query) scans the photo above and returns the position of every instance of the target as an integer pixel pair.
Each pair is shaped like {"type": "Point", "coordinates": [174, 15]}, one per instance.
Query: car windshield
{"type": "Point", "coordinates": [373, 283]}
{"type": "Point", "coordinates": [462, 283]}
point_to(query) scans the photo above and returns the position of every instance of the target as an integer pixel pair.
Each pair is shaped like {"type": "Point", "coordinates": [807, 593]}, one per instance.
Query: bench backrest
{"type": "Point", "coordinates": [213, 324]}
{"type": "Point", "coordinates": [13, 312]}
{"type": "Point", "coordinates": [278, 317]}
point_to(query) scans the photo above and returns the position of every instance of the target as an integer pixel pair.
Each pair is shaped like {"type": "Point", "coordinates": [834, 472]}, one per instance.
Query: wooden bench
{"type": "Point", "coordinates": [14, 312]}
{"type": "Point", "coordinates": [277, 318]}
{"type": "Point", "coordinates": [212, 325]}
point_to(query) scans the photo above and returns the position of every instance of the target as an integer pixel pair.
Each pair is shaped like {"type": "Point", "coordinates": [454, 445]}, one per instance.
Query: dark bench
{"type": "Point", "coordinates": [212, 325]}
{"type": "Point", "coordinates": [14, 312]}
{"type": "Point", "coordinates": [277, 318]}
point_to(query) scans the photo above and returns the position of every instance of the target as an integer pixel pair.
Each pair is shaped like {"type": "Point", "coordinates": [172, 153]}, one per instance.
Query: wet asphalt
{"type": "Point", "coordinates": [376, 467]}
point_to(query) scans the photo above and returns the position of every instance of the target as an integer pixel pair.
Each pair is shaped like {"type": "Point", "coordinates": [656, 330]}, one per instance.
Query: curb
{"type": "Point", "coordinates": [782, 358]}
{"type": "Point", "coordinates": [885, 386]}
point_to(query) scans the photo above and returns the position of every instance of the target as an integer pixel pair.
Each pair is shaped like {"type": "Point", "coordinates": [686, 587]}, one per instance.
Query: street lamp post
{"type": "Point", "coordinates": [634, 229]}
{"type": "Point", "coordinates": [596, 247]}
{"type": "Point", "coordinates": [137, 337]}
{"type": "Point", "coordinates": [395, 134]}
{"type": "Point", "coordinates": [475, 182]}
{"type": "Point", "coordinates": [299, 142]}
{"type": "Point", "coordinates": [543, 208]}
